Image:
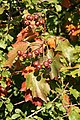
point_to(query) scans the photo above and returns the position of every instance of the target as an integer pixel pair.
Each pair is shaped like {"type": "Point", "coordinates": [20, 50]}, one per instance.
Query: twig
{"type": "Point", "coordinates": [45, 107]}
{"type": "Point", "coordinates": [9, 16]}
{"type": "Point", "coordinates": [19, 102]}
{"type": "Point", "coordinates": [66, 115]}
{"type": "Point", "coordinates": [72, 105]}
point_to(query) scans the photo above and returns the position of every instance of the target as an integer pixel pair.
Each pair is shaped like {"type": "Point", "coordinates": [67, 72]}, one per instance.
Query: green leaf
{"type": "Point", "coordinates": [74, 92]}
{"type": "Point", "coordinates": [37, 118]}
{"type": "Point", "coordinates": [74, 113]}
{"type": "Point", "coordinates": [1, 10]}
{"type": "Point", "coordinates": [48, 105]}
{"type": "Point", "coordinates": [58, 8]}
{"type": "Point", "coordinates": [17, 110]}
{"type": "Point", "coordinates": [55, 65]}
{"type": "Point", "coordinates": [34, 1]}
{"type": "Point", "coordinates": [3, 84]}
{"type": "Point", "coordinates": [65, 47]}
{"type": "Point", "coordinates": [9, 37]}
{"type": "Point", "coordinates": [74, 73]}
{"type": "Point", "coordinates": [9, 107]}
{"type": "Point", "coordinates": [8, 100]}
{"type": "Point", "coordinates": [39, 88]}
{"type": "Point", "coordinates": [60, 107]}
{"type": "Point", "coordinates": [1, 103]}
{"type": "Point", "coordinates": [3, 44]}
{"type": "Point", "coordinates": [14, 116]}
{"type": "Point", "coordinates": [6, 73]}
{"type": "Point", "coordinates": [52, 1]}
{"type": "Point", "coordinates": [8, 118]}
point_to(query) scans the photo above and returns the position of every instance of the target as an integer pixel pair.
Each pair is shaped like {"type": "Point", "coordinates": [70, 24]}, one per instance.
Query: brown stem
{"type": "Point", "coordinates": [19, 102]}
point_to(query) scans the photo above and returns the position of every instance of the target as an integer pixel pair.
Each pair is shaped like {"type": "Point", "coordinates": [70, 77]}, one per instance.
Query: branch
{"type": "Point", "coordinates": [51, 102]}
{"type": "Point", "coordinates": [19, 102]}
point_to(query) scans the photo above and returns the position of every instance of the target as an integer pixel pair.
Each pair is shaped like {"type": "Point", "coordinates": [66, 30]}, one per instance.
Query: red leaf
{"type": "Point", "coordinates": [24, 33]}
{"type": "Point", "coordinates": [8, 82]}
{"type": "Point", "coordinates": [66, 99]}
{"type": "Point", "coordinates": [22, 46]}
{"type": "Point", "coordinates": [28, 96]}
{"type": "Point", "coordinates": [66, 3]}
{"type": "Point", "coordinates": [32, 36]}
{"type": "Point", "coordinates": [37, 101]}
{"type": "Point", "coordinates": [27, 70]}
{"type": "Point", "coordinates": [3, 91]}
{"type": "Point", "coordinates": [23, 86]}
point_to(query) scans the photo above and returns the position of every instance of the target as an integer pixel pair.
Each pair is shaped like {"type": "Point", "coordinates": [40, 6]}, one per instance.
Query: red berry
{"type": "Point", "coordinates": [41, 21]}
{"type": "Point", "coordinates": [29, 54]}
{"type": "Point", "coordinates": [38, 67]}
{"type": "Point", "coordinates": [37, 23]}
{"type": "Point", "coordinates": [2, 90]}
{"type": "Point", "coordinates": [24, 55]}
{"type": "Point", "coordinates": [27, 23]}
{"type": "Point", "coordinates": [46, 64]}
{"type": "Point", "coordinates": [36, 63]}
{"type": "Point", "coordinates": [31, 18]}
{"type": "Point", "coordinates": [36, 52]}
{"type": "Point", "coordinates": [49, 61]}
{"type": "Point", "coordinates": [35, 17]}
{"type": "Point", "coordinates": [28, 17]}
{"type": "Point", "coordinates": [19, 52]}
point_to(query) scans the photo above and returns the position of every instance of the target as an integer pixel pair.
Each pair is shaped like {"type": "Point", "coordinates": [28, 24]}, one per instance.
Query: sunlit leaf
{"type": "Point", "coordinates": [39, 88]}
{"type": "Point", "coordinates": [23, 86]}
{"type": "Point", "coordinates": [14, 116]}
{"type": "Point", "coordinates": [75, 93]}
{"type": "Point", "coordinates": [58, 8]}
{"type": "Point", "coordinates": [3, 44]}
{"type": "Point", "coordinates": [1, 10]}
{"type": "Point", "coordinates": [9, 107]}
{"type": "Point", "coordinates": [74, 113]}
{"type": "Point", "coordinates": [1, 103]}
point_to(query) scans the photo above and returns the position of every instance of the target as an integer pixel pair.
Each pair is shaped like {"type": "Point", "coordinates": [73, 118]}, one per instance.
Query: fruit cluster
{"type": "Point", "coordinates": [46, 64]}
{"type": "Point", "coordinates": [24, 55]}
{"type": "Point", "coordinates": [36, 64]}
{"type": "Point", "coordinates": [38, 20]}
{"type": "Point", "coordinates": [29, 54]}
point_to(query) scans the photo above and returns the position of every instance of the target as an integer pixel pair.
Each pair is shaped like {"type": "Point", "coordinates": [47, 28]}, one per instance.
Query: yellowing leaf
{"type": "Point", "coordinates": [39, 88]}
{"type": "Point", "coordinates": [76, 32]}
{"type": "Point", "coordinates": [55, 65]}
{"type": "Point", "coordinates": [27, 70]}
{"type": "Point", "coordinates": [74, 113]}
{"type": "Point", "coordinates": [52, 42]}
{"type": "Point", "coordinates": [70, 27]}
{"type": "Point", "coordinates": [1, 10]}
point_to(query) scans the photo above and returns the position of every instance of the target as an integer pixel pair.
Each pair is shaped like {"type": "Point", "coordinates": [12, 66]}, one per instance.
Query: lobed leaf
{"type": "Point", "coordinates": [39, 88]}
{"type": "Point", "coordinates": [22, 46]}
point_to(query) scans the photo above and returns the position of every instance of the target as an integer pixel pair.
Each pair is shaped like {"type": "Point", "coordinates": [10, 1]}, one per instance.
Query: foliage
{"type": "Point", "coordinates": [39, 59]}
